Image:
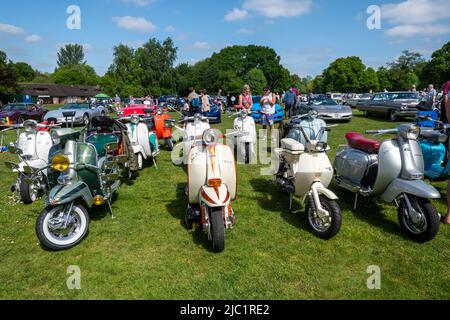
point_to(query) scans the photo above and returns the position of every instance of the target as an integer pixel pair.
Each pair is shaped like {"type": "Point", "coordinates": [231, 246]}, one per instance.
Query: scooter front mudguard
{"type": "Point", "coordinates": [321, 190]}
{"type": "Point", "coordinates": [215, 197]}
{"type": "Point", "coordinates": [418, 188]}
{"type": "Point", "coordinates": [61, 194]}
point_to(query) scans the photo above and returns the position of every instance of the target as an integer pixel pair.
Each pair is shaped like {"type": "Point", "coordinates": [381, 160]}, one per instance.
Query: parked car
{"type": "Point", "coordinates": [256, 110]}
{"type": "Point", "coordinates": [336, 97]}
{"type": "Point", "coordinates": [84, 112]}
{"type": "Point", "coordinates": [215, 113]}
{"type": "Point", "coordinates": [394, 105]}
{"type": "Point", "coordinates": [19, 112]}
{"type": "Point", "coordinates": [353, 102]}
{"type": "Point", "coordinates": [329, 110]}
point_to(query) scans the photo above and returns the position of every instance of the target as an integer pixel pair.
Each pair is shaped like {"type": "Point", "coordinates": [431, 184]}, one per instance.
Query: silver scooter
{"type": "Point", "coordinates": [393, 170]}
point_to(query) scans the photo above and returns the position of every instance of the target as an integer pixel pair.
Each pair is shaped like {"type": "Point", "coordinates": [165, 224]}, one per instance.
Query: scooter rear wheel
{"type": "Point", "coordinates": [420, 231]}
{"type": "Point", "coordinates": [318, 229]}
{"type": "Point", "coordinates": [217, 230]}
{"type": "Point", "coordinates": [28, 192]}
{"type": "Point", "coordinates": [53, 235]}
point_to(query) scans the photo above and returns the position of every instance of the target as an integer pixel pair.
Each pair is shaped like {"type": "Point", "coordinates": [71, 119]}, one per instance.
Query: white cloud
{"type": "Point", "coordinates": [170, 29]}
{"type": "Point", "coordinates": [278, 8]}
{"type": "Point", "coordinates": [139, 3]}
{"type": "Point", "coordinates": [202, 45]}
{"type": "Point", "coordinates": [182, 37]}
{"type": "Point", "coordinates": [245, 31]}
{"type": "Point", "coordinates": [139, 24]}
{"type": "Point", "coordinates": [411, 18]}
{"type": "Point", "coordinates": [33, 38]}
{"type": "Point", "coordinates": [10, 29]}
{"type": "Point", "coordinates": [236, 14]}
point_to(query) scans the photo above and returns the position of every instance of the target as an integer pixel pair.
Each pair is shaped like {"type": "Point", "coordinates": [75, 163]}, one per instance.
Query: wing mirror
{"type": "Point", "coordinates": [14, 150]}
{"type": "Point", "coordinates": [112, 147]}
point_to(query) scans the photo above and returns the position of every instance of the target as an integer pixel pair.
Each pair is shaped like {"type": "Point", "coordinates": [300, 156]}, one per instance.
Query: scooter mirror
{"type": "Point", "coordinates": [27, 170]}
{"type": "Point", "coordinates": [14, 150]}
{"type": "Point", "coordinates": [11, 165]}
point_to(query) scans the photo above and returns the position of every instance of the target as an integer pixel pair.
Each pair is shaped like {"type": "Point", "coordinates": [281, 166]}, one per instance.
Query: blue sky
{"type": "Point", "coordinates": [307, 34]}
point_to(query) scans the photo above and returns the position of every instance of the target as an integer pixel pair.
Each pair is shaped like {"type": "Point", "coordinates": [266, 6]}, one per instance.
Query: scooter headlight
{"type": "Point", "coordinates": [60, 163]}
{"type": "Point", "coordinates": [30, 126]}
{"type": "Point", "coordinates": [135, 119]}
{"type": "Point", "coordinates": [413, 132]}
{"type": "Point", "coordinates": [211, 136]}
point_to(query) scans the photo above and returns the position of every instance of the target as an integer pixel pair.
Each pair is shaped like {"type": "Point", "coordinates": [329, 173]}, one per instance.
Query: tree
{"type": "Point", "coordinates": [76, 75]}
{"type": "Point", "coordinates": [369, 81]}
{"type": "Point", "coordinates": [344, 75]}
{"type": "Point", "coordinates": [71, 54]}
{"type": "Point", "coordinates": [8, 77]}
{"type": "Point", "coordinates": [383, 79]}
{"type": "Point", "coordinates": [437, 70]}
{"type": "Point", "coordinates": [405, 71]}
{"type": "Point", "coordinates": [25, 73]}
{"type": "Point", "coordinates": [256, 80]}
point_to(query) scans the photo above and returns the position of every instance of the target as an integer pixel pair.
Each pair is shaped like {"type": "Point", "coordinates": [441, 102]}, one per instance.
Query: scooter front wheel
{"type": "Point", "coordinates": [57, 233]}
{"type": "Point", "coordinates": [217, 230]}
{"type": "Point", "coordinates": [28, 192]}
{"type": "Point", "coordinates": [421, 226]}
{"type": "Point", "coordinates": [324, 228]}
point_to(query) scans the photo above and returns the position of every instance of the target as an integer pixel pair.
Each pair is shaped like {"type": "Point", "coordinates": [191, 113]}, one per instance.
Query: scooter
{"type": "Point", "coordinates": [144, 142]}
{"type": "Point", "coordinates": [305, 171]}
{"type": "Point", "coordinates": [33, 149]}
{"type": "Point", "coordinates": [88, 174]}
{"type": "Point", "coordinates": [212, 185]}
{"type": "Point", "coordinates": [246, 145]}
{"type": "Point", "coordinates": [163, 132]}
{"type": "Point", "coordinates": [394, 171]}
{"type": "Point", "coordinates": [311, 124]}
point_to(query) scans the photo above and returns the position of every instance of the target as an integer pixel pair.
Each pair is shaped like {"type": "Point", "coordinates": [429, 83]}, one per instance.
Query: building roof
{"type": "Point", "coordinates": [58, 90]}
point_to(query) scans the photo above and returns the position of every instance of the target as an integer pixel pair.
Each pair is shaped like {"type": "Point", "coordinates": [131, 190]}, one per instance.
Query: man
{"type": "Point", "coordinates": [206, 106]}
{"type": "Point", "coordinates": [192, 95]}
{"type": "Point", "coordinates": [431, 94]}
{"type": "Point", "coordinates": [290, 102]}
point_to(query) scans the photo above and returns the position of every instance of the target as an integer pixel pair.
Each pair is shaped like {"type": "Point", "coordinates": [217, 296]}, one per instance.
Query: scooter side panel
{"type": "Point", "coordinates": [65, 194]}
{"type": "Point", "coordinates": [27, 143]}
{"type": "Point", "coordinates": [418, 188]}
{"type": "Point", "coordinates": [43, 144]}
{"type": "Point", "coordinates": [311, 168]}
{"type": "Point", "coordinates": [389, 165]}
{"type": "Point", "coordinates": [227, 168]}
{"type": "Point", "coordinates": [143, 139]}
{"type": "Point", "coordinates": [196, 172]}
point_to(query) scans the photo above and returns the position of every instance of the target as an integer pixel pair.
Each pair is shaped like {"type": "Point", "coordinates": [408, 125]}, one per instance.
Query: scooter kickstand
{"type": "Point", "coordinates": [154, 162]}
{"type": "Point", "coordinates": [355, 205]}
{"type": "Point", "coordinates": [290, 201]}
{"type": "Point", "coordinates": [111, 210]}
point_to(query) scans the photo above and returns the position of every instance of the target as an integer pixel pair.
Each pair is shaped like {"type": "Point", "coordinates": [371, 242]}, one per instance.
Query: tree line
{"type": "Point", "coordinates": [150, 69]}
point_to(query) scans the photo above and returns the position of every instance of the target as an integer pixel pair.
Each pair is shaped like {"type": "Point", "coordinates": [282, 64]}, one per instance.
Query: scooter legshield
{"type": "Point", "coordinates": [418, 188]}
{"type": "Point", "coordinates": [215, 197]}
{"type": "Point", "coordinates": [65, 194]}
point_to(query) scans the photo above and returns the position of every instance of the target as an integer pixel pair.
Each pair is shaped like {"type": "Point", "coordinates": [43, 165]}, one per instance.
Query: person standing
{"type": "Point", "coordinates": [431, 94]}
{"type": "Point", "coordinates": [206, 105]}
{"type": "Point", "coordinates": [268, 102]}
{"type": "Point", "coordinates": [246, 100]}
{"type": "Point", "coordinates": [192, 95]}
{"type": "Point", "coordinates": [290, 102]}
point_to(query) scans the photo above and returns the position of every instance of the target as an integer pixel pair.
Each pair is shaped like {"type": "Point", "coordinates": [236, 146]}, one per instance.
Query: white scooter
{"type": "Point", "coordinates": [143, 140]}
{"type": "Point", "coordinates": [212, 185]}
{"type": "Point", "coordinates": [32, 147]}
{"type": "Point", "coordinates": [246, 145]}
{"type": "Point", "coordinates": [193, 130]}
{"type": "Point", "coordinates": [305, 171]}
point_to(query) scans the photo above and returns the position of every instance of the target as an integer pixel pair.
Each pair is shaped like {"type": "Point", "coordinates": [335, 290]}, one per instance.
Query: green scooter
{"type": "Point", "coordinates": [87, 174]}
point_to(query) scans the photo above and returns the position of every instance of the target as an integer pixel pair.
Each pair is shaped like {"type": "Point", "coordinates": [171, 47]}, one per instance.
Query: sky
{"type": "Point", "coordinates": [307, 34]}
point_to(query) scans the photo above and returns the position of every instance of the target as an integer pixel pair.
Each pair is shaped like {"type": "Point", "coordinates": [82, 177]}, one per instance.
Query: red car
{"type": "Point", "coordinates": [19, 112]}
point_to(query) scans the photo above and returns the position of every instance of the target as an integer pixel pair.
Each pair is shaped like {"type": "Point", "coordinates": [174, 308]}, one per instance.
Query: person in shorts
{"type": "Point", "coordinates": [268, 102]}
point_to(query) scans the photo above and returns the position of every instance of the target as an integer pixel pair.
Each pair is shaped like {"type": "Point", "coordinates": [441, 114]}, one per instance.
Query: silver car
{"type": "Point", "coordinates": [84, 112]}
{"type": "Point", "coordinates": [330, 110]}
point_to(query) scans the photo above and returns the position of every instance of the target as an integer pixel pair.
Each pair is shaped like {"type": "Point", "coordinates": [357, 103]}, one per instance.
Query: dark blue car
{"type": "Point", "coordinates": [215, 113]}
{"type": "Point", "coordinates": [256, 111]}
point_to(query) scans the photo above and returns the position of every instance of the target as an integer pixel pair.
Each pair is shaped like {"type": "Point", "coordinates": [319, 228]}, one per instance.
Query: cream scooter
{"type": "Point", "coordinates": [246, 145]}
{"type": "Point", "coordinates": [305, 171]}
{"type": "Point", "coordinates": [212, 185]}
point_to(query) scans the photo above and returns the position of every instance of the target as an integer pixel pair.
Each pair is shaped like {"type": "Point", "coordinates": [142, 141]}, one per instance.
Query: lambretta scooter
{"type": "Point", "coordinates": [305, 171]}
{"type": "Point", "coordinates": [32, 147]}
{"type": "Point", "coordinates": [88, 174]}
{"type": "Point", "coordinates": [144, 142]}
{"type": "Point", "coordinates": [394, 171]}
{"type": "Point", "coordinates": [246, 145]}
{"type": "Point", "coordinates": [212, 185]}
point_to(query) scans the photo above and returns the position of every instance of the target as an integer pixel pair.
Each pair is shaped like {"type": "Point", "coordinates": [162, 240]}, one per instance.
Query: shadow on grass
{"type": "Point", "coordinates": [177, 208]}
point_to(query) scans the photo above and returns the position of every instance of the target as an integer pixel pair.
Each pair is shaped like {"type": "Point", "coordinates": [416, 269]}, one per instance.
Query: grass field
{"type": "Point", "coordinates": [146, 253]}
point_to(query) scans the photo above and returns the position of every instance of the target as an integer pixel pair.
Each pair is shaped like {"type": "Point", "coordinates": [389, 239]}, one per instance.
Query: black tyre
{"type": "Point", "coordinates": [329, 229]}
{"type": "Point", "coordinates": [28, 192]}
{"type": "Point", "coordinates": [86, 119]}
{"type": "Point", "coordinates": [51, 233]}
{"type": "Point", "coordinates": [424, 229]}
{"type": "Point", "coordinates": [247, 153]}
{"type": "Point", "coordinates": [366, 114]}
{"type": "Point", "coordinates": [169, 144]}
{"type": "Point", "coordinates": [217, 230]}
{"type": "Point", "coordinates": [392, 115]}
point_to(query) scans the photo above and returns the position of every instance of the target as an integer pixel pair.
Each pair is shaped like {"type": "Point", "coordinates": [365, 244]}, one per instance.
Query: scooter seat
{"type": "Point", "coordinates": [358, 141]}
{"type": "Point", "coordinates": [292, 145]}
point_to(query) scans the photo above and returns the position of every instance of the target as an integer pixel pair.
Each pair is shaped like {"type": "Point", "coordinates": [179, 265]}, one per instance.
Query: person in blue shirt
{"type": "Point", "coordinates": [290, 102]}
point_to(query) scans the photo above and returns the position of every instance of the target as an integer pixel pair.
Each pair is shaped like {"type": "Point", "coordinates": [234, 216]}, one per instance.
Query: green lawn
{"type": "Point", "coordinates": [146, 253]}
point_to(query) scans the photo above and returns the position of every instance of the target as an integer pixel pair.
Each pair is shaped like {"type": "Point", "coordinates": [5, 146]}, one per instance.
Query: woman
{"type": "Point", "coordinates": [206, 106]}
{"type": "Point", "coordinates": [268, 102]}
{"type": "Point", "coordinates": [246, 100]}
